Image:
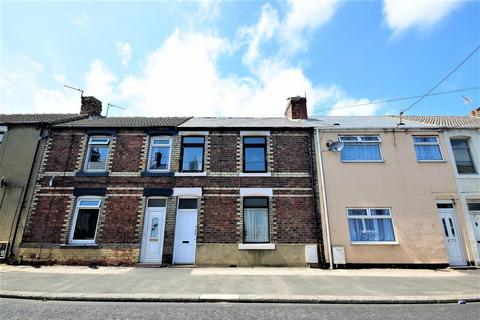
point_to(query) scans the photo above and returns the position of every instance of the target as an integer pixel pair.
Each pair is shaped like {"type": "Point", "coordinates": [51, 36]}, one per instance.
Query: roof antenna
{"type": "Point", "coordinates": [114, 106]}
{"type": "Point", "coordinates": [73, 88]}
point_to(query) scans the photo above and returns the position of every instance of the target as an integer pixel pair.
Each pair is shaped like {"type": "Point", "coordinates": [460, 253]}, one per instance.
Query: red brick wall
{"type": "Point", "coordinates": [223, 153]}
{"type": "Point", "coordinates": [219, 220]}
{"type": "Point", "coordinates": [290, 153]}
{"type": "Point", "coordinates": [127, 152]}
{"type": "Point", "coordinates": [46, 222]}
{"type": "Point", "coordinates": [64, 150]}
{"type": "Point", "coordinates": [120, 224]}
{"type": "Point", "coordinates": [295, 222]}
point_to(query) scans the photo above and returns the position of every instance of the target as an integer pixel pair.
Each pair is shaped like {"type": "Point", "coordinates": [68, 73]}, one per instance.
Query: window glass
{"type": "Point", "coordinates": [192, 154]}
{"type": "Point", "coordinates": [193, 140]}
{"type": "Point", "coordinates": [94, 140]}
{"type": "Point", "coordinates": [160, 141]}
{"type": "Point", "coordinates": [254, 140]}
{"type": "Point", "coordinates": [156, 203]}
{"type": "Point", "coordinates": [370, 225]}
{"type": "Point", "coordinates": [255, 202]}
{"type": "Point", "coordinates": [86, 224]}
{"type": "Point", "coordinates": [361, 152]}
{"type": "Point", "coordinates": [427, 148]}
{"type": "Point", "coordinates": [369, 138]}
{"type": "Point", "coordinates": [89, 203]}
{"type": "Point", "coordinates": [462, 155]}
{"type": "Point", "coordinates": [97, 157]}
{"type": "Point", "coordinates": [254, 154]}
{"type": "Point", "coordinates": [473, 206]}
{"type": "Point", "coordinates": [444, 205]}
{"type": "Point", "coordinates": [348, 138]}
{"type": "Point", "coordinates": [357, 212]}
{"type": "Point", "coordinates": [256, 225]}
{"type": "Point", "coordinates": [187, 203]}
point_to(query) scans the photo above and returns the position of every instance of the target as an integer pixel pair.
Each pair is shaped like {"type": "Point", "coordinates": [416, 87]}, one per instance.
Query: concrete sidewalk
{"type": "Point", "coordinates": [240, 284]}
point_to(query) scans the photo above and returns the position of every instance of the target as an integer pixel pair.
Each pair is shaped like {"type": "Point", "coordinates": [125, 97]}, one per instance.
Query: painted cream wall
{"type": "Point", "coordinates": [408, 187]}
{"type": "Point", "coordinates": [468, 184]}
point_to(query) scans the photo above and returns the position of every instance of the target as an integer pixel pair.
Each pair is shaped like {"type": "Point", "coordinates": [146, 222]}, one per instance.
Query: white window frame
{"type": "Point", "coordinates": [358, 139]}
{"type": "Point", "coordinates": [437, 143]}
{"type": "Point", "coordinates": [75, 216]}
{"type": "Point", "coordinates": [1, 136]}
{"type": "Point", "coordinates": [370, 216]}
{"type": "Point", "coordinates": [152, 145]}
{"type": "Point", "coordinates": [92, 142]}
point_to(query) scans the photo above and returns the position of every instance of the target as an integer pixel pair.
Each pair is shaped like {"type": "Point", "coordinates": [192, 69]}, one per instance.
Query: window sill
{"type": "Point", "coordinates": [434, 161]}
{"type": "Point", "coordinates": [156, 174]}
{"type": "Point", "coordinates": [375, 243]}
{"type": "Point", "coordinates": [362, 161]}
{"type": "Point", "coordinates": [190, 174]}
{"type": "Point", "coordinates": [91, 174]}
{"type": "Point", "coordinates": [255, 174]}
{"type": "Point", "coordinates": [79, 245]}
{"type": "Point", "coordinates": [256, 246]}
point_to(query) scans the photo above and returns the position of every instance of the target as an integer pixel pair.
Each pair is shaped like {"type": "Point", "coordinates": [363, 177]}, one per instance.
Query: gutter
{"type": "Point", "coordinates": [321, 182]}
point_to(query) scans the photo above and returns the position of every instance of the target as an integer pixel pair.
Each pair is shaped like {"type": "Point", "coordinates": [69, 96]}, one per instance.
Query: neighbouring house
{"type": "Point", "coordinates": [462, 135]}
{"type": "Point", "coordinates": [22, 142]}
{"type": "Point", "coordinates": [389, 196]}
{"type": "Point", "coordinates": [203, 191]}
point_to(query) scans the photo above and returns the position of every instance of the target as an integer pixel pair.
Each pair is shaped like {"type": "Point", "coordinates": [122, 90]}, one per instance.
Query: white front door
{"type": "Point", "coordinates": [185, 232]}
{"type": "Point", "coordinates": [153, 235]}
{"type": "Point", "coordinates": [475, 218]}
{"type": "Point", "coordinates": [451, 233]}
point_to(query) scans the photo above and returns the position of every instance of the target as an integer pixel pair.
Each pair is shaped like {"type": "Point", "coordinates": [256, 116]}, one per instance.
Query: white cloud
{"type": "Point", "coordinates": [124, 50]}
{"type": "Point", "coordinates": [341, 108]}
{"type": "Point", "coordinates": [310, 14]}
{"type": "Point", "coordinates": [100, 82]}
{"type": "Point", "coordinates": [401, 15]}
{"type": "Point", "coordinates": [255, 35]}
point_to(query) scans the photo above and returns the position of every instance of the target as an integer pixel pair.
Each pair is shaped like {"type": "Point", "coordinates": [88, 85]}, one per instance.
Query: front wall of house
{"type": "Point", "coordinates": [220, 226]}
{"type": "Point", "coordinates": [408, 187]}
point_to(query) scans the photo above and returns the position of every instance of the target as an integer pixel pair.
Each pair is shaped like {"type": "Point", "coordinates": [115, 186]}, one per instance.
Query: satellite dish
{"type": "Point", "coordinates": [335, 146]}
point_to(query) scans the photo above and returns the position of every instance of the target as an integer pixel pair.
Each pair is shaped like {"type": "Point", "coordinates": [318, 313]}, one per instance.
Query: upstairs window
{"type": "Point", "coordinates": [463, 157]}
{"type": "Point", "coordinates": [370, 225]}
{"type": "Point", "coordinates": [255, 220]}
{"type": "Point", "coordinates": [254, 154]}
{"type": "Point", "coordinates": [427, 148]}
{"type": "Point", "coordinates": [97, 154]}
{"type": "Point", "coordinates": [192, 154]}
{"type": "Point", "coordinates": [159, 154]}
{"type": "Point", "coordinates": [361, 149]}
{"type": "Point", "coordinates": [85, 220]}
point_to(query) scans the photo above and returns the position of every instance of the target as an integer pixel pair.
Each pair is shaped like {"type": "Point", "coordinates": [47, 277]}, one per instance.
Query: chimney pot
{"type": "Point", "coordinates": [91, 106]}
{"type": "Point", "coordinates": [296, 108]}
{"type": "Point", "coordinates": [475, 112]}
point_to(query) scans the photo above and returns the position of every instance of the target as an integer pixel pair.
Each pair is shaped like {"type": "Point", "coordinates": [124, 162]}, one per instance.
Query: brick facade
{"type": "Point", "coordinates": [220, 209]}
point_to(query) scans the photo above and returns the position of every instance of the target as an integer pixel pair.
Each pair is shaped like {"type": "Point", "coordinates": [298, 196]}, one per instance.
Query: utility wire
{"type": "Point", "coordinates": [395, 99]}
{"type": "Point", "coordinates": [441, 81]}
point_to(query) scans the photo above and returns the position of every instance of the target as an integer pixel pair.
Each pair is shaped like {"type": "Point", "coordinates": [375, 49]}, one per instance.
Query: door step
{"type": "Point", "coordinates": [150, 265]}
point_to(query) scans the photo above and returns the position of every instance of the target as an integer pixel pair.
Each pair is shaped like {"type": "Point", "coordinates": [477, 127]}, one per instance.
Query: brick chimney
{"type": "Point", "coordinates": [475, 112]}
{"type": "Point", "coordinates": [91, 106]}
{"type": "Point", "coordinates": [296, 108]}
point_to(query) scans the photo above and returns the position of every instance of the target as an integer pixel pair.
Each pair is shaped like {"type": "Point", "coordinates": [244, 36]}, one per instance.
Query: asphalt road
{"type": "Point", "coordinates": [12, 309]}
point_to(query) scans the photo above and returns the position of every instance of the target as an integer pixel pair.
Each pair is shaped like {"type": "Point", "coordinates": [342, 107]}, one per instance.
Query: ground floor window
{"type": "Point", "coordinates": [255, 220]}
{"type": "Point", "coordinates": [370, 225]}
{"type": "Point", "coordinates": [85, 220]}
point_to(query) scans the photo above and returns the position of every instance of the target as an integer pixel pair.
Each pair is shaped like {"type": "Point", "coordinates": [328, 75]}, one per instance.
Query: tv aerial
{"type": "Point", "coordinates": [110, 105]}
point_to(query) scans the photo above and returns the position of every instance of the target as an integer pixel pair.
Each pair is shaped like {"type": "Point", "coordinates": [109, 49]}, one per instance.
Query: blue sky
{"type": "Point", "coordinates": [238, 58]}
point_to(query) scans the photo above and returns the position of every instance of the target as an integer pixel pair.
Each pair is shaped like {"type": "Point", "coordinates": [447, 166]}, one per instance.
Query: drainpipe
{"type": "Point", "coordinates": [321, 182]}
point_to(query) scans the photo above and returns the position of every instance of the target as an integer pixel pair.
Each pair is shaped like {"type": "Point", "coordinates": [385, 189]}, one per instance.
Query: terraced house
{"type": "Point", "coordinates": [203, 191]}
{"type": "Point", "coordinates": [288, 191]}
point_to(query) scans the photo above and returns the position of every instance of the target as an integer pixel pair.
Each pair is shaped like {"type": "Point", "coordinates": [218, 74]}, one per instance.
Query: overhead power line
{"type": "Point", "coordinates": [356, 105]}
{"type": "Point", "coordinates": [441, 81]}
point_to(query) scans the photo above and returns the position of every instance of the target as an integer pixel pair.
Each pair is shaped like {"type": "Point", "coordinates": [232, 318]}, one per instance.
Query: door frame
{"type": "Point", "coordinates": [457, 228]}
{"type": "Point", "coordinates": [196, 229]}
{"type": "Point", "coordinates": [144, 232]}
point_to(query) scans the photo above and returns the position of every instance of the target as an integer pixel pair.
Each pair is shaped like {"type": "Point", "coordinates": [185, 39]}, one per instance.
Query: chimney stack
{"type": "Point", "coordinates": [91, 106]}
{"type": "Point", "coordinates": [475, 112]}
{"type": "Point", "coordinates": [296, 108]}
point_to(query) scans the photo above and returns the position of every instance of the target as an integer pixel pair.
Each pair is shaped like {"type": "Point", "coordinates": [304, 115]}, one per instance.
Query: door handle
{"type": "Point", "coordinates": [184, 241]}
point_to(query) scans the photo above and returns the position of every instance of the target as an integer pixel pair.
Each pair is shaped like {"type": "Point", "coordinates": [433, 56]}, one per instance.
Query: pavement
{"type": "Point", "coordinates": [266, 285]}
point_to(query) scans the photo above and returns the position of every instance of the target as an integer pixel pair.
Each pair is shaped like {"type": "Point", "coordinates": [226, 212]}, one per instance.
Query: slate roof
{"type": "Point", "coordinates": [38, 118]}
{"type": "Point", "coordinates": [126, 122]}
{"type": "Point", "coordinates": [446, 121]}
